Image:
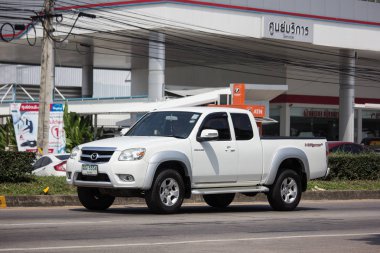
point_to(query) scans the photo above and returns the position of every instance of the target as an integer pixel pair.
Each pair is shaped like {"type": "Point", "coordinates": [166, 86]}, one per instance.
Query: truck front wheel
{"type": "Point", "coordinates": [219, 200]}
{"type": "Point", "coordinates": [92, 199]}
{"type": "Point", "coordinates": [167, 192]}
{"type": "Point", "coordinates": [285, 193]}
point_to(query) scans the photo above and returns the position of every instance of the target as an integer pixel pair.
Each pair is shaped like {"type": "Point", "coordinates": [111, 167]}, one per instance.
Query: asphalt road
{"type": "Point", "coordinates": [316, 226]}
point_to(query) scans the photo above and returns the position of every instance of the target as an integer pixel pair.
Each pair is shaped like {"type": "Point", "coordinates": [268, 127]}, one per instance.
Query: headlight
{"type": "Point", "coordinates": [132, 154]}
{"type": "Point", "coordinates": [74, 152]}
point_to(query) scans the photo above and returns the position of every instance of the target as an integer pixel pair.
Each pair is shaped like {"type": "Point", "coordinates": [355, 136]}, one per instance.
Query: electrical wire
{"type": "Point", "coordinates": [183, 38]}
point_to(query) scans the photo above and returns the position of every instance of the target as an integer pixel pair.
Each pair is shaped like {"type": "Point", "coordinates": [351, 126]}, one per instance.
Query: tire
{"type": "Point", "coordinates": [285, 193]}
{"type": "Point", "coordinates": [219, 201]}
{"type": "Point", "coordinates": [92, 199]}
{"type": "Point", "coordinates": [167, 192]}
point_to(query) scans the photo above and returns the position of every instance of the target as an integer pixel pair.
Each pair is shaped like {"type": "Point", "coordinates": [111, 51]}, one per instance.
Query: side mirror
{"type": "Point", "coordinates": [208, 135]}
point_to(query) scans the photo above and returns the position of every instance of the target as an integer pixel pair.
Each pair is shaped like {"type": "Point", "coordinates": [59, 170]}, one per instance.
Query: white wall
{"type": "Point", "coordinates": [211, 77]}
{"type": "Point", "coordinates": [249, 24]}
{"type": "Point", "coordinates": [139, 85]}
{"type": "Point", "coordinates": [317, 87]}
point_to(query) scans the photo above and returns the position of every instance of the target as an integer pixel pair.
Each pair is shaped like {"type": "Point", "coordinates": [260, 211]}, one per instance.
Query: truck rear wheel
{"type": "Point", "coordinates": [92, 199]}
{"type": "Point", "coordinates": [167, 192]}
{"type": "Point", "coordinates": [219, 200]}
{"type": "Point", "coordinates": [285, 193]}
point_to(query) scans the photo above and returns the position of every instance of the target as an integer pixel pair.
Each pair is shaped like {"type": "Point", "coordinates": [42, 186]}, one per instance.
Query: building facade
{"type": "Point", "coordinates": [327, 52]}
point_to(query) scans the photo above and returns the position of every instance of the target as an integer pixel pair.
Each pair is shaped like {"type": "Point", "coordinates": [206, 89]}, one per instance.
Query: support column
{"type": "Point", "coordinates": [88, 72]}
{"type": "Point", "coordinates": [156, 77]}
{"type": "Point", "coordinates": [346, 95]}
{"type": "Point", "coordinates": [14, 92]}
{"type": "Point", "coordinates": [359, 118]}
{"type": "Point", "coordinates": [285, 120]}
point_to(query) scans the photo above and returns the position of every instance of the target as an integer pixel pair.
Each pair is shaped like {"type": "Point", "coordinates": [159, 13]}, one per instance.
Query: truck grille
{"type": "Point", "coordinates": [96, 155]}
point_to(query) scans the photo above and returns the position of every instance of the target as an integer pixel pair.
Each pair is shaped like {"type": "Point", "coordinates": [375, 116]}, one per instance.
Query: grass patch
{"type": "Point", "coordinates": [57, 186]}
{"type": "Point", "coordinates": [340, 185]}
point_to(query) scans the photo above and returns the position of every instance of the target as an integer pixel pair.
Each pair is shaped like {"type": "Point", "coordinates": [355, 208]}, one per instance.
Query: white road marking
{"type": "Point", "coordinates": [52, 223]}
{"type": "Point", "coordinates": [185, 242]}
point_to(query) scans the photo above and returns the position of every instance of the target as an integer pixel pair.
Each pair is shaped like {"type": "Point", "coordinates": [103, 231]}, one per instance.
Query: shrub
{"type": "Point", "coordinates": [347, 166]}
{"type": "Point", "coordinates": [15, 166]}
{"type": "Point", "coordinates": [7, 135]}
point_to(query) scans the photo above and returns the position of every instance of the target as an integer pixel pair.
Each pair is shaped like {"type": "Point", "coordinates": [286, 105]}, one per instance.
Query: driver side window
{"type": "Point", "coordinates": [219, 122]}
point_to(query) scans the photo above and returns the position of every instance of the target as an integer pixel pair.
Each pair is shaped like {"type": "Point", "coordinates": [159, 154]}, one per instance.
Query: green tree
{"type": "Point", "coordinates": [78, 128]}
{"type": "Point", "coordinates": [7, 135]}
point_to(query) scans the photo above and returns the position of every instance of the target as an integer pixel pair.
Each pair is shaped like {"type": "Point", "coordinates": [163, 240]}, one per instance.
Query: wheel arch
{"type": "Point", "coordinates": [292, 159]}
{"type": "Point", "coordinates": [169, 160]}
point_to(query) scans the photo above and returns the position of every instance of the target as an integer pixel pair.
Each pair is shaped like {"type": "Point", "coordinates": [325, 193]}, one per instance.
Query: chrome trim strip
{"type": "Point", "coordinates": [98, 148]}
{"type": "Point", "coordinates": [99, 156]}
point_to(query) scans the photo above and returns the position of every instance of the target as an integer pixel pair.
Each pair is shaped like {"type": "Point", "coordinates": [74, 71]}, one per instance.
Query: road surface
{"type": "Point", "coordinates": [316, 226]}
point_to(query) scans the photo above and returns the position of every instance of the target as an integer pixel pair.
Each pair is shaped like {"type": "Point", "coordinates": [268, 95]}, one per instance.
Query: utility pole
{"type": "Point", "coordinates": [47, 80]}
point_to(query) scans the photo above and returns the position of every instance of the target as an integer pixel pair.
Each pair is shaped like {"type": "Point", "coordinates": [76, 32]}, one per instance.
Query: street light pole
{"type": "Point", "coordinates": [47, 80]}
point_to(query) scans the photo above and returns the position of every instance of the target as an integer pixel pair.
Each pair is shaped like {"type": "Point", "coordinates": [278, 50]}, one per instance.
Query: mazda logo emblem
{"type": "Point", "coordinates": [94, 156]}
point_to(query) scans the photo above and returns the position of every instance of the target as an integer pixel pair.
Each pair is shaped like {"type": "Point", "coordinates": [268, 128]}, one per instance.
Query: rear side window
{"type": "Point", "coordinates": [347, 148]}
{"type": "Point", "coordinates": [38, 163]}
{"type": "Point", "coordinates": [46, 161]}
{"type": "Point", "coordinates": [242, 126]}
{"type": "Point", "coordinates": [63, 157]}
{"type": "Point", "coordinates": [356, 148]}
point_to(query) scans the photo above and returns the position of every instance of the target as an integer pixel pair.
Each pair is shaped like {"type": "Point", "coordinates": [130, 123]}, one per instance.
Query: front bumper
{"type": "Point", "coordinates": [108, 174]}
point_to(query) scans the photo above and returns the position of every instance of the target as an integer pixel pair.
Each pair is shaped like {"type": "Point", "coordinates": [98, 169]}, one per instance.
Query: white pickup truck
{"type": "Point", "coordinates": [168, 155]}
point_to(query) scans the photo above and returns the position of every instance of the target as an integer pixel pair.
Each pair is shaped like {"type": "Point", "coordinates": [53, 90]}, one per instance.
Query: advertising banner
{"type": "Point", "coordinates": [25, 122]}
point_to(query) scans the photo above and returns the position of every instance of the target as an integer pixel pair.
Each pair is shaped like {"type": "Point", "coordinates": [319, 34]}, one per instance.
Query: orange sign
{"type": "Point", "coordinates": [238, 94]}
{"type": "Point", "coordinates": [258, 111]}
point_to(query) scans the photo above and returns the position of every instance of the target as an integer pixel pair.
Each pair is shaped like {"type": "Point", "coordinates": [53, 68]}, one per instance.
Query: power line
{"type": "Point", "coordinates": [208, 48]}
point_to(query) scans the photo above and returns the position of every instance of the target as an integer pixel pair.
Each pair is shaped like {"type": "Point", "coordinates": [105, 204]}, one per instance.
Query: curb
{"type": "Point", "coordinates": [72, 200]}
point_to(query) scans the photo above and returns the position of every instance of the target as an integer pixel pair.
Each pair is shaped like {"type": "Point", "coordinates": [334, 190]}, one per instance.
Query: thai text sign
{"type": "Point", "coordinates": [283, 28]}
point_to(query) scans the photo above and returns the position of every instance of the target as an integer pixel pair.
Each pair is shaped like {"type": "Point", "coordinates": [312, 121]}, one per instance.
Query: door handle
{"type": "Point", "coordinates": [228, 148]}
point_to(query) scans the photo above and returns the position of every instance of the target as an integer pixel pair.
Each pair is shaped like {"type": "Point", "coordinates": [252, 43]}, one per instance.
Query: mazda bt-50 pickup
{"type": "Point", "coordinates": [171, 154]}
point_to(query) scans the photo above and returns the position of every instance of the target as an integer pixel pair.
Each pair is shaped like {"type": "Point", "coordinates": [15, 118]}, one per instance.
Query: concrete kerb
{"type": "Point", "coordinates": [72, 200]}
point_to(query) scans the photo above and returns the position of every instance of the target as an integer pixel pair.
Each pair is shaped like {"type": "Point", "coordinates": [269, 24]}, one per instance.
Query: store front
{"type": "Point", "coordinates": [370, 123]}
{"type": "Point", "coordinates": [314, 122]}
{"type": "Point", "coordinates": [323, 122]}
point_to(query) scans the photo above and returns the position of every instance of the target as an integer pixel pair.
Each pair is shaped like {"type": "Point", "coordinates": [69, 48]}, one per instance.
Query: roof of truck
{"type": "Point", "coordinates": [204, 109]}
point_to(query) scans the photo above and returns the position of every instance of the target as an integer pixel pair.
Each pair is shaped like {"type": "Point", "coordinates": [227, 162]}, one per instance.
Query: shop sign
{"type": "Point", "coordinates": [283, 28]}
{"type": "Point", "coordinates": [371, 115]}
{"type": "Point", "coordinates": [25, 123]}
{"type": "Point", "coordinates": [321, 114]}
{"type": "Point", "coordinates": [238, 94]}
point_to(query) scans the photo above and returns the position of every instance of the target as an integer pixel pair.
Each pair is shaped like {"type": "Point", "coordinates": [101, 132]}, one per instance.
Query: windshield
{"type": "Point", "coordinates": [171, 124]}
